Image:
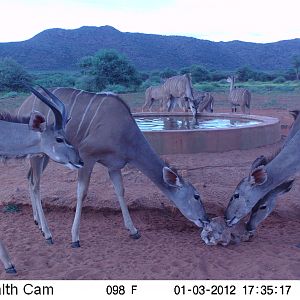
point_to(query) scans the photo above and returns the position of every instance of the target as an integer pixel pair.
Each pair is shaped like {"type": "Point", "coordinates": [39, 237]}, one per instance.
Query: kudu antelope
{"type": "Point", "coordinates": [203, 101]}
{"type": "Point", "coordinates": [104, 131]}
{"type": "Point", "coordinates": [179, 87]}
{"type": "Point", "coordinates": [154, 93]}
{"type": "Point", "coordinates": [266, 175]}
{"type": "Point", "coordinates": [33, 136]}
{"type": "Point", "coordinates": [206, 103]}
{"type": "Point", "coordinates": [238, 96]}
{"type": "Point", "coordinates": [265, 206]}
{"type": "Point", "coordinates": [217, 232]}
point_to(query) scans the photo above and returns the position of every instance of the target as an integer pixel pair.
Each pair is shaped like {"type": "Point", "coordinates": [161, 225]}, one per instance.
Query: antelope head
{"type": "Point", "coordinates": [185, 197]}
{"type": "Point", "coordinates": [53, 140]}
{"type": "Point", "coordinates": [245, 195]}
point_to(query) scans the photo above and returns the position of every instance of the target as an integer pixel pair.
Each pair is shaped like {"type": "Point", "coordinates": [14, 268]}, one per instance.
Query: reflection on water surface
{"type": "Point", "coordinates": [187, 122]}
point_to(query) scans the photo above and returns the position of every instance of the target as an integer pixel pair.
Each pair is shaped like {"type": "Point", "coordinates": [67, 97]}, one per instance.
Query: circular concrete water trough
{"type": "Point", "coordinates": [175, 133]}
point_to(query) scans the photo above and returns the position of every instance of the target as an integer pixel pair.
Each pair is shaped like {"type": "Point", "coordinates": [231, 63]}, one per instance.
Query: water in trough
{"type": "Point", "coordinates": [157, 123]}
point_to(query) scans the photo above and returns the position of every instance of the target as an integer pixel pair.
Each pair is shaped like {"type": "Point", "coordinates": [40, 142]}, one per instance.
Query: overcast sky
{"type": "Point", "coordinates": [259, 21]}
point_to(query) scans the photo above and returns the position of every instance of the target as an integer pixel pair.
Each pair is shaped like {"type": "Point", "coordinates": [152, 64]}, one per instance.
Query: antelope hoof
{"type": "Point", "coordinates": [36, 222]}
{"type": "Point", "coordinates": [135, 236]}
{"type": "Point", "coordinates": [75, 244]}
{"type": "Point", "coordinates": [49, 241]}
{"type": "Point", "coordinates": [11, 270]}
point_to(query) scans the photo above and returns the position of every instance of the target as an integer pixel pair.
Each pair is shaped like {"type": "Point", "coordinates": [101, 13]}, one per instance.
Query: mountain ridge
{"type": "Point", "coordinates": [60, 49]}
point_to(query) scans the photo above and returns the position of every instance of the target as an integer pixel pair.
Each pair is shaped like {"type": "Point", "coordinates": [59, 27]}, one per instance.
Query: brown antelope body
{"type": "Point", "coordinates": [104, 131]}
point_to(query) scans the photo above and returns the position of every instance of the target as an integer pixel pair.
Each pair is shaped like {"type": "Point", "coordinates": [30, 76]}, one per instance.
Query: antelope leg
{"type": "Point", "coordinates": [38, 165]}
{"type": "Point", "coordinates": [4, 257]}
{"type": "Point", "coordinates": [116, 178]}
{"type": "Point", "coordinates": [84, 176]}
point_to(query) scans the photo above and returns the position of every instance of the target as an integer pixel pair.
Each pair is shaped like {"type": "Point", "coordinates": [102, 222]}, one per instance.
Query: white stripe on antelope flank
{"type": "Point", "coordinates": [74, 102]}
{"type": "Point", "coordinates": [96, 112]}
{"type": "Point", "coordinates": [85, 112]}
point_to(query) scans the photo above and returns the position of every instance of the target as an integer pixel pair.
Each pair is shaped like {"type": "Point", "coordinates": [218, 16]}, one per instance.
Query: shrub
{"type": "Point", "coordinates": [208, 87]}
{"type": "Point", "coordinates": [223, 81]}
{"type": "Point", "coordinates": [12, 75]}
{"type": "Point", "coordinates": [152, 81]}
{"type": "Point", "coordinates": [118, 89]}
{"type": "Point", "coordinates": [279, 79]}
{"type": "Point", "coordinates": [218, 76]}
{"type": "Point", "coordinates": [9, 95]}
{"type": "Point", "coordinates": [109, 67]}
{"type": "Point", "coordinates": [167, 73]}
{"type": "Point", "coordinates": [86, 83]}
{"type": "Point", "coordinates": [55, 79]}
{"type": "Point", "coordinates": [199, 74]}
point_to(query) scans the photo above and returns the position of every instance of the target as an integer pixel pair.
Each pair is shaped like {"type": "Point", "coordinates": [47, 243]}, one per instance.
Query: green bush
{"type": "Point", "coordinates": [9, 95]}
{"type": "Point", "coordinates": [12, 208]}
{"type": "Point", "coordinates": [218, 76]}
{"type": "Point", "coordinates": [118, 89]}
{"type": "Point", "coordinates": [12, 75]}
{"type": "Point", "coordinates": [223, 81]}
{"type": "Point", "coordinates": [143, 76]}
{"type": "Point", "coordinates": [199, 74]}
{"type": "Point", "coordinates": [109, 67]}
{"type": "Point", "coordinates": [55, 79]}
{"type": "Point", "coordinates": [152, 81]}
{"type": "Point", "coordinates": [210, 87]}
{"type": "Point", "coordinates": [279, 79]}
{"type": "Point", "coordinates": [167, 73]}
{"type": "Point", "coordinates": [87, 83]}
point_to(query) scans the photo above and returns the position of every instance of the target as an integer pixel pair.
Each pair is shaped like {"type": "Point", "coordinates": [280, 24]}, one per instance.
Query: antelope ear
{"type": "Point", "coordinates": [258, 176]}
{"type": "Point", "coordinates": [260, 161]}
{"type": "Point", "coordinates": [171, 178]}
{"type": "Point", "coordinates": [37, 122]}
{"type": "Point", "coordinates": [294, 113]}
{"type": "Point", "coordinates": [284, 187]}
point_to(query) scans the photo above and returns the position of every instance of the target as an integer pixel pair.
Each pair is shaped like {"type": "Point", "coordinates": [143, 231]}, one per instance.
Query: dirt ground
{"type": "Point", "coordinates": [170, 246]}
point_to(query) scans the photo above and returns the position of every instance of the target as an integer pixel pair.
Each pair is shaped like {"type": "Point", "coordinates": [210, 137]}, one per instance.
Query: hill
{"type": "Point", "coordinates": [60, 49]}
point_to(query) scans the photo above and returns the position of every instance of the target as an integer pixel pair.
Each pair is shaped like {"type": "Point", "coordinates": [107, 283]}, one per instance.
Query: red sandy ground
{"type": "Point", "coordinates": [170, 246]}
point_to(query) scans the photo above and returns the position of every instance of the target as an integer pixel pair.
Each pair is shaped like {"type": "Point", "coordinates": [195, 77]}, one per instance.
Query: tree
{"type": "Point", "coordinates": [108, 67]}
{"type": "Point", "coordinates": [199, 73]}
{"type": "Point", "coordinates": [86, 64]}
{"type": "Point", "coordinates": [296, 65]}
{"type": "Point", "coordinates": [185, 70]}
{"type": "Point", "coordinates": [12, 75]}
{"type": "Point", "coordinates": [244, 74]}
{"type": "Point", "coordinates": [167, 73]}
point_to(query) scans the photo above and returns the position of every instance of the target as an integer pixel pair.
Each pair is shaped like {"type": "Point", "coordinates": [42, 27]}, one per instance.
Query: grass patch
{"type": "Point", "coordinates": [12, 208]}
